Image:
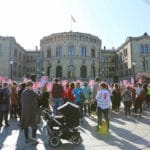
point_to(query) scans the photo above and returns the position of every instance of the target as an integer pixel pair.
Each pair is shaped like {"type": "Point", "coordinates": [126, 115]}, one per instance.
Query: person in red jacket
{"type": "Point", "coordinates": [70, 95]}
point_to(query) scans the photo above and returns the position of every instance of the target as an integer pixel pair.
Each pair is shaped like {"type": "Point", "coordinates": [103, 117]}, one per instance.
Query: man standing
{"type": "Point", "coordinates": [29, 100]}
{"type": "Point", "coordinates": [4, 104]}
{"type": "Point", "coordinates": [56, 94]}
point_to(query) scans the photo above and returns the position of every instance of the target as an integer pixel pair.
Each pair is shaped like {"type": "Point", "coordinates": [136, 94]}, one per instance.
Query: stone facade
{"type": "Point", "coordinates": [15, 61]}
{"type": "Point", "coordinates": [137, 50]}
{"type": "Point", "coordinates": [75, 55]}
{"type": "Point", "coordinates": [108, 64]}
{"type": "Point", "coordinates": [71, 55]}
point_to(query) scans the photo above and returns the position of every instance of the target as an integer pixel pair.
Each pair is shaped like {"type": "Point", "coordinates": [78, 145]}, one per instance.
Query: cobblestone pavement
{"type": "Point", "coordinates": [126, 133]}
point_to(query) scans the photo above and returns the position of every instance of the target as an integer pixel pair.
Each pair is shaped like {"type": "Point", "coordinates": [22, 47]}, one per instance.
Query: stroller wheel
{"type": "Point", "coordinates": [54, 141]}
{"type": "Point", "coordinates": [76, 139]}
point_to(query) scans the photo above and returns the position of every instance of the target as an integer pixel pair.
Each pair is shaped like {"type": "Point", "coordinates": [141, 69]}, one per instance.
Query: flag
{"type": "Point", "coordinates": [73, 19]}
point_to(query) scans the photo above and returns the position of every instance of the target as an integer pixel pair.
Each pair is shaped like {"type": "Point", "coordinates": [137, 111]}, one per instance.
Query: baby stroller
{"type": "Point", "coordinates": [63, 127]}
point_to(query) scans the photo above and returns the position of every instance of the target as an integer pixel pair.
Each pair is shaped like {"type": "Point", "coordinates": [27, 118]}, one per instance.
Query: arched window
{"type": "Point", "coordinates": [48, 52]}
{"type": "Point", "coordinates": [71, 71]}
{"type": "Point", "coordinates": [83, 51]}
{"type": "Point", "coordinates": [71, 51]}
{"type": "Point", "coordinates": [83, 72]}
{"type": "Point", "coordinates": [93, 53]}
{"type": "Point", "coordinates": [59, 71]}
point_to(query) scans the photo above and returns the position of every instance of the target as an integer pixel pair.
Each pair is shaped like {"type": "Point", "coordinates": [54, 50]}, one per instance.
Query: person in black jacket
{"type": "Point", "coordinates": [4, 104]}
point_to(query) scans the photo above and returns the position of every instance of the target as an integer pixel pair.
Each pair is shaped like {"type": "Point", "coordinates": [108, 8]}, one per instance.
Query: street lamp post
{"type": "Point", "coordinates": [134, 64]}
{"type": "Point", "coordinates": [11, 65]}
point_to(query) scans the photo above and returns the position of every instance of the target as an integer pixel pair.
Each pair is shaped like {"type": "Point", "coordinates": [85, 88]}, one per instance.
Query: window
{"type": "Point", "coordinates": [71, 51]}
{"type": "Point", "coordinates": [48, 52]}
{"type": "Point", "coordinates": [15, 52]}
{"type": "Point", "coordinates": [83, 72]}
{"type": "Point", "coordinates": [93, 53]}
{"type": "Point", "coordinates": [58, 52]}
{"type": "Point", "coordinates": [146, 49]}
{"type": "Point", "coordinates": [83, 51]}
{"type": "Point", "coordinates": [142, 48]}
{"type": "Point", "coordinates": [125, 52]}
{"type": "Point", "coordinates": [103, 58]}
{"type": "Point", "coordinates": [28, 59]}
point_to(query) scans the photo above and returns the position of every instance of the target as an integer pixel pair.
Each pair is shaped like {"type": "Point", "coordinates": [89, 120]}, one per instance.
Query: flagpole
{"type": "Point", "coordinates": [70, 25]}
{"type": "Point", "coordinates": [72, 19]}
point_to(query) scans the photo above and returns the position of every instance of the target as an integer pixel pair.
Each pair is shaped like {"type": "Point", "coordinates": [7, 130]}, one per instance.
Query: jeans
{"type": "Point", "coordinates": [104, 112]}
{"type": "Point", "coordinates": [80, 104]}
{"type": "Point", "coordinates": [4, 114]}
{"type": "Point", "coordinates": [56, 103]}
{"type": "Point", "coordinates": [26, 133]}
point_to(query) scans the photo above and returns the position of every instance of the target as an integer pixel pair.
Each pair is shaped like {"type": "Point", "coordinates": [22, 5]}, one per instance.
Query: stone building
{"type": "Point", "coordinates": [16, 62]}
{"type": "Point", "coordinates": [133, 56]}
{"type": "Point", "coordinates": [75, 55]}
{"type": "Point", "coordinates": [12, 58]}
{"type": "Point", "coordinates": [108, 64]}
{"type": "Point", "coordinates": [71, 55]}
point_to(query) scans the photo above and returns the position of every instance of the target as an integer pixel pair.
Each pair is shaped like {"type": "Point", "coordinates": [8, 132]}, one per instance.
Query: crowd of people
{"type": "Point", "coordinates": [22, 101]}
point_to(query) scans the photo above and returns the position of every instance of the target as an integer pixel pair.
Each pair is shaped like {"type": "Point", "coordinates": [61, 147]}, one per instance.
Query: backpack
{"type": "Point", "coordinates": [126, 97]}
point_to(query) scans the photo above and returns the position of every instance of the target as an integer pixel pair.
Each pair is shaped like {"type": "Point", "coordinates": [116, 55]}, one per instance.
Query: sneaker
{"type": "Point", "coordinates": [98, 127]}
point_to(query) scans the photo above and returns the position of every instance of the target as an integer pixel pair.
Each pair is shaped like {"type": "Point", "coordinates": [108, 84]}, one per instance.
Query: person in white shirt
{"type": "Point", "coordinates": [103, 104]}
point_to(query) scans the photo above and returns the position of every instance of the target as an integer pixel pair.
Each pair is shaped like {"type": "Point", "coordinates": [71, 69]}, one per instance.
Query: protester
{"type": "Point", "coordinates": [116, 96]}
{"type": "Point", "coordinates": [148, 96]}
{"type": "Point", "coordinates": [140, 97]}
{"type": "Point", "coordinates": [70, 95]}
{"type": "Point", "coordinates": [78, 101]}
{"type": "Point", "coordinates": [44, 97]}
{"type": "Point", "coordinates": [94, 90]}
{"type": "Point", "coordinates": [19, 110]}
{"type": "Point", "coordinates": [65, 93]}
{"type": "Point", "coordinates": [103, 105]}
{"type": "Point", "coordinates": [87, 102]}
{"type": "Point", "coordinates": [56, 95]}
{"type": "Point", "coordinates": [4, 104]}
{"type": "Point", "coordinates": [127, 100]}
{"type": "Point", "coordinates": [29, 100]}
{"type": "Point", "coordinates": [14, 100]}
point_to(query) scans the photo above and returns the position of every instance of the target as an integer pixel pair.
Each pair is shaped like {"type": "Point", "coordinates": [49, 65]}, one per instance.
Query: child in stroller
{"type": "Point", "coordinates": [63, 127]}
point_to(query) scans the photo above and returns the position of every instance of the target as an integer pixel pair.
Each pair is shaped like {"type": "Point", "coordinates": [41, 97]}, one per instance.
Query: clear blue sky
{"type": "Point", "coordinates": [111, 20]}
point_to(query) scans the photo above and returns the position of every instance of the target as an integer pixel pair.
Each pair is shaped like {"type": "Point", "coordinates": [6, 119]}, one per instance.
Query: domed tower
{"type": "Point", "coordinates": [71, 55]}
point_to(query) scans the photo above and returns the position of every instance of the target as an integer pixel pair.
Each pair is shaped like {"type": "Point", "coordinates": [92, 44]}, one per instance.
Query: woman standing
{"type": "Point", "coordinates": [103, 105]}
